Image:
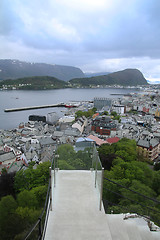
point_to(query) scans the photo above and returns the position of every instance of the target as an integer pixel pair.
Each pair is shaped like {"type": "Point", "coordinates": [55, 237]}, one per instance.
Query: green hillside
{"type": "Point", "coordinates": [128, 77]}
{"type": "Point", "coordinates": [35, 83]}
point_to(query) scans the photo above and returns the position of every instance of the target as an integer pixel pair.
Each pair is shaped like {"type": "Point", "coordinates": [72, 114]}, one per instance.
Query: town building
{"type": "Point", "coordinates": [149, 148]}
{"type": "Point", "coordinates": [103, 125]}
{"type": "Point", "coordinates": [99, 103]}
{"type": "Point", "coordinates": [119, 109]}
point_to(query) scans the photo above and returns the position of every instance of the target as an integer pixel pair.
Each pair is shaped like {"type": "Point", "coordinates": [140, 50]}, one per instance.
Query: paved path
{"type": "Point", "coordinates": [75, 211]}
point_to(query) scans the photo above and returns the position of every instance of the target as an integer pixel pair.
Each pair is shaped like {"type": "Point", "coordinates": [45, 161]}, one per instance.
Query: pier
{"type": "Point", "coordinates": [36, 107]}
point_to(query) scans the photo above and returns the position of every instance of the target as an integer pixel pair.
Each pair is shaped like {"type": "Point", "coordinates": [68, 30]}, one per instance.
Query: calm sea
{"type": "Point", "coordinates": [19, 98]}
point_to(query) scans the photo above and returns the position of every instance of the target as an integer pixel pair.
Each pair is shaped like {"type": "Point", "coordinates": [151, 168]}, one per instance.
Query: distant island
{"type": "Point", "coordinates": [34, 83]}
{"type": "Point", "coordinates": [127, 77]}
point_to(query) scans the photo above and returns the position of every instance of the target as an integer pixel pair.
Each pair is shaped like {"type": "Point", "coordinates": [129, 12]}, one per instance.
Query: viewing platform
{"type": "Point", "coordinates": [75, 212]}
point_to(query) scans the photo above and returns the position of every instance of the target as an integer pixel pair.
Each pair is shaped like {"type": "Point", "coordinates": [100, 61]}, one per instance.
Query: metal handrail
{"type": "Point", "coordinates": [134, 201]}
{"type": "Point", "coordinates": [152, 209]}
{"type": "Point", "coordinates": [152, 199]}
{"type": "Point", "coordinates": [98, 163]}
{"type": "Point", "coordinates": [39, 221]}
{"type": "Point", "coordinates": [128, 209]}
{"type": "Point", "coordinates": [46, 208]}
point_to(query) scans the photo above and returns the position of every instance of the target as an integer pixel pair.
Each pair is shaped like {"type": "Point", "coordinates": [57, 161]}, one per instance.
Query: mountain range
{"type": "Point", "coordinates": [13, 69]}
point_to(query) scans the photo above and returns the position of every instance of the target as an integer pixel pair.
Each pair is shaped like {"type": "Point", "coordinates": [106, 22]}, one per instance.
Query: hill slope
{"type": "Point", "coordinates": [12, 69]}
{"type": "Point", "coordinates": [127, 77]}
{"type": "Point", "coordinates": [35, 83]}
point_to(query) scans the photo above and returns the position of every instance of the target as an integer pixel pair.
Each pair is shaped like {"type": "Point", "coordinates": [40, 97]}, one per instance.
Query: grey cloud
{"type": "Point", "coordinates": [127, 30]}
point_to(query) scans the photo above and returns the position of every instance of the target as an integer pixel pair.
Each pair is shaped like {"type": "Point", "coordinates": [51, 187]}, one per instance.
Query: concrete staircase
{"type": "Point", "coordinates": [130, 229]}
{"type": "Point", "coordinates": [75, 213]}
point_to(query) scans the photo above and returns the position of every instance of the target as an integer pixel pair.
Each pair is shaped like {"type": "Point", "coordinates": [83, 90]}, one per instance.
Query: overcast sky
{"type": "Point", "coordinates": [94, 35]}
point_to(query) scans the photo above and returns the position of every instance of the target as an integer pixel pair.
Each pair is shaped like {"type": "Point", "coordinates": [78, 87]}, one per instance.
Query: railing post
{"type": "Point", "coordinates": [101, 192]}
{"type": "Point", "coordinates": [96, 168]}
{"type": "Point", "coordinates": [50, 175]}
{"type": "Point", "coordinates": [40, 228]}
{"type": "Point", "coordinates": [54, 168]}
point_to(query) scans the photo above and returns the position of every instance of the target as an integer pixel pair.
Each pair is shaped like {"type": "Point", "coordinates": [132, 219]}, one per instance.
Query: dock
{"type": "Point", "coordinates": [34, 107]}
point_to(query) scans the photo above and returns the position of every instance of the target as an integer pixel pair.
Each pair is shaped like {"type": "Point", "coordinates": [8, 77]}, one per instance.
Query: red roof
{"type": "Point", "coordinates": [97, 140]}
{"type": "Point", "coordinates": [112, 140]}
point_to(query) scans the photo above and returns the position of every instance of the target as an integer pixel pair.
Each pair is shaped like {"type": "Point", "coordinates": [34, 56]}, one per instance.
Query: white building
{"type": "Point", "coordinates": [119, 109]}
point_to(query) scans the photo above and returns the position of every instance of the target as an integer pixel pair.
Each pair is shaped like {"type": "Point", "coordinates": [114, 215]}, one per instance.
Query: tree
{"type": "Point", "coordinates": [140, 188]}
{"type": "Point", "coordinates": [87, 114]}
{"type": "Point", "coordinates": [7, 184]}
{"type": "Point", "coordinates": [114, 113]}
{"type": "Point", "coordinates": [27, 199]}
{"type": "Point", "coordinates": [62, 164]}
{"type": "Point", "coordinates": [40, 193]}
{"type": "Point", "coordinates": [157, 166]}
{"type": "Point", "coordinates": [10, 222]}
{"type": "Point", "coordinates": [105, 113]}
{"type": "Point", "coordinates": [156, 182]}
{"type": "Point", "coordinates": [30, 178]}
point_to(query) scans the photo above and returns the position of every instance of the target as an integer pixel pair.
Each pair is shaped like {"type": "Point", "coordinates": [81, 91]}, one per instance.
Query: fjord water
{"type": "Point", "coordinates": [20, 98]}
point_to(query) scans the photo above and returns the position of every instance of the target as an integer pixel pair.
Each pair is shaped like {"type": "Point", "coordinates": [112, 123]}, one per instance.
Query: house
{"type": "Point", "coordinates": [97, 140]}
{"type": "Point", "coordinates": [46, 141]}
{"type": "Point", "coordinates": [80, 124]}
{"type": "Point", "coordinates": [67, 119]}
{"type": "Point", "coordinates": [1, 145]}
{"type": "Point", "coordinates": [6, 159]}
{"type": "Point", "coordinates": [31, 156]}
{"type": "Point", "coordinates": [149, 148]}
{"type": "Point", "coordinates": [119, 109]}
{"type": "Point", "coordinates": [157, 113]}
{"type": "Point", "coordinates": [112, 140]}
{"type": "Point", "coordinates": [103, 125]}
{"type": "Point", "coordinates": [71, 132]}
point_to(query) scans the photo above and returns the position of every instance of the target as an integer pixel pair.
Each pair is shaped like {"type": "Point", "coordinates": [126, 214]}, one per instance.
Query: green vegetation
{"type": "Point", "coordinates": [87, 114]}
{"type": "Point", "coordinates": [34, 83]}
{"type": "Point", "coordinates": [133, 112]}
{"type": "Point", "coordinates": [128, 77]}
{"type": "Point", "coordinates": [115, 116]}
{"type": "Point", "coordinates": [20, 211]}
{"type": "Point", "coordinates": [123, 165]}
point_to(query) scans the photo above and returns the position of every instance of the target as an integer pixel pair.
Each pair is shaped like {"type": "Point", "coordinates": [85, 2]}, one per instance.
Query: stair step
{"type": "Point", "coordinates": [117, 227]}
{"type": "Point", "coordinates": [130, 229]}
{"type": "Point", "coordinates": [145, 232]}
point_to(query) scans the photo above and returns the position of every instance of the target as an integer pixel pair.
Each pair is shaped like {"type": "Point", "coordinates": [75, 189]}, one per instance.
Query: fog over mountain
{"type": "Point", "coordinates": [12, 69]}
